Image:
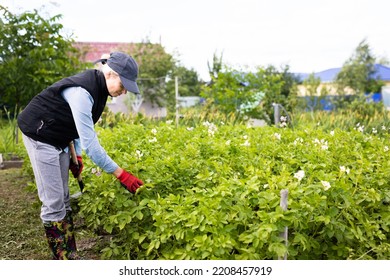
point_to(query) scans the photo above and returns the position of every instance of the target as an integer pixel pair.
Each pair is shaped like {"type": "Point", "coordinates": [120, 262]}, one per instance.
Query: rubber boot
{"type": "Point", "coordinates": [55, 236]}
{"type": "Point", "coordinates": [60, 236]}
{"type": "Point", "coordinates": [70, 240]}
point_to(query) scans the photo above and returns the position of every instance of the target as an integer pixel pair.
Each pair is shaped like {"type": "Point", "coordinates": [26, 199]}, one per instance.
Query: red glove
{"type": "Point", "coordinates": [76, 169]}
{"type": "Point", "coordinates": [129, 181]}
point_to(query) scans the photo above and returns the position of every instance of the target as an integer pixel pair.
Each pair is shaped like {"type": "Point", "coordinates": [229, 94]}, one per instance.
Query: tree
{"type": "Point", "coordinates": [33, 55]}
{"type": "Point", "coordinates": [158, 70]}
{"type": "Point", "coordinates": [216, 67]}
{"type": "Point", "coordinates": [358, 72]}
{"type": "Point", "coordinates": [189, 84]}
{"type": "Point", "coordinates": [272, 82]}
{"type": "Point", "coordinates": [232, 91]}
{"type": "Point", "coordinates": [155, 67]}
{"type": "Point", "coordinates": [227, 91]}
{"type": "Point", "coordinates": [312, 84]}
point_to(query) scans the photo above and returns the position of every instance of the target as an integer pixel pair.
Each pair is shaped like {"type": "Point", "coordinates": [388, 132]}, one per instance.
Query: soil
{"type": "Point", "coordinates": [21, 231]}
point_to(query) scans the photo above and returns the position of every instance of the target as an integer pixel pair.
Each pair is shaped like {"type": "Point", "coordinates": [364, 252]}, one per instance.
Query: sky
{"type": "Point", "coordinates": [307, 35]}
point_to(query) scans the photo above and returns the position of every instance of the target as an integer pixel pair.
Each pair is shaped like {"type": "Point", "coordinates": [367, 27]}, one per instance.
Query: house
{"type": "Point", "coordinates": [327, 78]}
{"type": "Point", "coordinates": [127, 103]}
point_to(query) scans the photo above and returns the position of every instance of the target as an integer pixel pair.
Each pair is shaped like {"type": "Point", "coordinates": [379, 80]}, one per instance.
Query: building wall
{"type": "Point", "coordinates": [330, 88]}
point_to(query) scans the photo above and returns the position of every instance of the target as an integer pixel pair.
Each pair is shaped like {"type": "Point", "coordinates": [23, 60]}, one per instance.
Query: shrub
{"type": "Point", "coordinates": [212, 192]}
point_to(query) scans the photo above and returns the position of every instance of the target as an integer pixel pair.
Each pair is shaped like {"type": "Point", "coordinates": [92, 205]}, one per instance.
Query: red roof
{"type": "Point", "coordinates": [93, 51]}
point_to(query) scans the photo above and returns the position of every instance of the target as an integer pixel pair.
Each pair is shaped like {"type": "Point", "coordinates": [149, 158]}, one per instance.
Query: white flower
{"type": "Point", "coordinates": [298, 140]}
{"type": "Point", "coordinates": [386, 148]}
{"type": "Point", "coordinates": [326, 185]}
{"type": "Point", "coordinates": [96, 171]}
{"type": "Point", "coordinates": [332, 133]}
{"type": "Point", "coordinates": [228, 142]}
{"type": "Point", "coordinates": [383, 127]}
{"type": "Point", "coordinates": [138, 154]}
{"type": "Point", "coordinates": [299, 175]}
{"type": "Point", "coordinates": [283, 121]}
{"type": "Point", "coordinates": [246, 143]}
{"type": "Point", "coordinates": [343, 169]}
{"type": "Point", "coordinates": [154, 131]}
{"type": "Point", "coordinates": [374, 130]}
{"type": "Point", "coordinates": [190, 128]}
{"type": "Point", "coordinates": [212, 128]}
{"type": "Point", "coordinates": [367, 139]}
{"type": "Point", "coordinates": [154, 139]}
{"type": "Point", "coordinates": [169, 122]}
{"type": "Point", "coordinates": [245, 137]}
{"type": "Point", "coordinates": [211, 132]}
{"type": "Point", "coordinates": [277, 136]}
{"type": "Point", "coordinates": [359, 127]}
{"type": "Point", "coordinates": [322, 143]}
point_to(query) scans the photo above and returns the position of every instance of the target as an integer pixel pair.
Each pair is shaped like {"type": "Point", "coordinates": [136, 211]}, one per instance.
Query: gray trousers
{"type": "Point", "coordinates": [51, 171]}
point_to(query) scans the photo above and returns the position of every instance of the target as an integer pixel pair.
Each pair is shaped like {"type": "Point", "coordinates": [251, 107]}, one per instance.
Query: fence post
{"type": "Point", "coordinates": [136, 105]}
{"type": "Point", "coordinates": [177, 100]}
{"type": "Point", "coordinates": [283, 205]}
{"type": "Point", "coordinates": [276, 113]}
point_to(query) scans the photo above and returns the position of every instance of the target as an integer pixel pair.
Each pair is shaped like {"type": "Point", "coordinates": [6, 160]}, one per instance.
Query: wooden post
{"type": "Point", "coordinates": [177, 100]}
{"type": "Point", "coordinates": [136, 105]}
{"type": "Point", "coordinates": [283, 205]}
{"type": "Point", "coordinates": [276, 113]}
{"type": "Point", "coordinates": [16, 134]}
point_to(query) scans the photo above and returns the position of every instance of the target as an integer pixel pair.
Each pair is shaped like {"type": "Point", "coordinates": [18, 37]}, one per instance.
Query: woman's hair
{"type": "Point", "coordinates": [107, 69]}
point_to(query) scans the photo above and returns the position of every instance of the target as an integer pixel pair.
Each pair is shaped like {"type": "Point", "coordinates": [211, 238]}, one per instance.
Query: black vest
{"type": "Point", "coordinates": [48, 118]}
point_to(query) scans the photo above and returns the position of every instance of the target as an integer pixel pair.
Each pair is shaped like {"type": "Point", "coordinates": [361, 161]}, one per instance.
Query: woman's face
{"type": "Point", "coordinates": [114, 85]}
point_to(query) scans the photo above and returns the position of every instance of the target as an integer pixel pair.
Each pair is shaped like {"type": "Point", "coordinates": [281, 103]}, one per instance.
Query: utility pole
{"type": "Point", "coordinates": [177, 100]}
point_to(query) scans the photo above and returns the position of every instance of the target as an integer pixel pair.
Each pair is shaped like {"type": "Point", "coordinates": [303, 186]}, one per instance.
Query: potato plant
{"type": "Point", "coordinates": [213, 191]}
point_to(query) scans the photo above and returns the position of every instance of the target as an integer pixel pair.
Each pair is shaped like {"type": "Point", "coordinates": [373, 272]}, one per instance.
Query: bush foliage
{"type": "Point", "coordinates": [33, 54]}
{"type": "Point", "coordinates": [212, 191]}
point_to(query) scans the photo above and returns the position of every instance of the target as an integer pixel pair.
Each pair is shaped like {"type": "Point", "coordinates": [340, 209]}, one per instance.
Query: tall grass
{"type": "Point", "coordinates": [189, 117]}
{"type": "Point", "coordinates": [197, 115]}
{"type": "Point", "coordinates": [345, 120]}
{"type": "Point", "coordinates": [9, 134]}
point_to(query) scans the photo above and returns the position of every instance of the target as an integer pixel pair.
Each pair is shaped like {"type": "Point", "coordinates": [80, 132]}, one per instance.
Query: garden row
{"type": "Point", "coordinates": [212, 191]}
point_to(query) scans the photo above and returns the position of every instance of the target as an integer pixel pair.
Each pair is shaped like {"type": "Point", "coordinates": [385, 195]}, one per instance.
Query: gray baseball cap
{"type": "Point", "coordinates": [127, 69]}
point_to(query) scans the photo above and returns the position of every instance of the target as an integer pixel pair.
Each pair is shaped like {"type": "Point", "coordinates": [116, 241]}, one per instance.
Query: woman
{"type": "Point", "coordinates": [67, 111]}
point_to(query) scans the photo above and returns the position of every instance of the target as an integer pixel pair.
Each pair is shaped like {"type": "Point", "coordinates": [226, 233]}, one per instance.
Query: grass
{"type": "Point", "coordinates": [22, 235]}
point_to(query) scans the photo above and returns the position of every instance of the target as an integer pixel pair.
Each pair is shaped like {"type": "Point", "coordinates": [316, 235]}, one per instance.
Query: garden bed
{"type": "Point", "coordinates": [10, 161]}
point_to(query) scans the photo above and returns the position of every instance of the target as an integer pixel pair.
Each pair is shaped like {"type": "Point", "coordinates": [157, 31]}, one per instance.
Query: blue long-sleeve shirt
{"type": "Point", "coordinates": [81, 102]}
